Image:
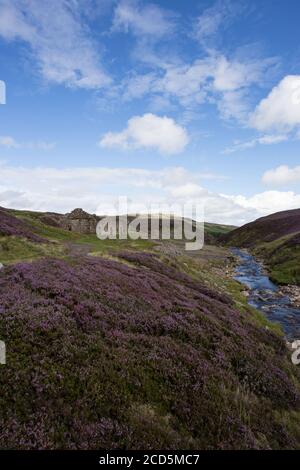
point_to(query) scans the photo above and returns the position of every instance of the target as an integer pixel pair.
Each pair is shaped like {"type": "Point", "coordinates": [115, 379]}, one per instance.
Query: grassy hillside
{"type": "Point", "coordinates": [17, 245]}
{"type": "Point", "coordinates": [276, 239]}
{"type": "Point", "coordinates": [32, 226]}
{"type": "Point", "coordinates": [283, 258]}
{"type": "Point", "coordinates": [266, 229]}
{"type": "Point", "coordinates": [141, 346]}
{"type": "Point", "coordinates": [217, 230]}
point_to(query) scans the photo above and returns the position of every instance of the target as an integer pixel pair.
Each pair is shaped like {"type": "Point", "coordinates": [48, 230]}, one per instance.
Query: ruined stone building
{"type": "Point", "coordinates": [80, 221]}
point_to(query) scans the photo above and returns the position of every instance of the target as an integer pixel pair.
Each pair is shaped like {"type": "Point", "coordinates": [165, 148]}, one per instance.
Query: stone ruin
{"type": "Point", "coordinates": [80, 221]}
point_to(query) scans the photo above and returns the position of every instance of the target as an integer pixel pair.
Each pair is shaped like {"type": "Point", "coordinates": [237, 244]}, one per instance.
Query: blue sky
{"type": "Point", "coordinates": [160, 101]}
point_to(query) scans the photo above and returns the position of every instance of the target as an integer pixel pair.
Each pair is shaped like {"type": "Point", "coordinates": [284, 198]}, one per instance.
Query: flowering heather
{"type": "Point", "coordinates": [10, 225]}
{"type": "Point", "coordinates": [102, 354]}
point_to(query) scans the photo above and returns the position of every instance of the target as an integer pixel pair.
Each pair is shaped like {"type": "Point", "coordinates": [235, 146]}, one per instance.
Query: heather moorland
{"type": "Point", "coordinates": [137, 347]}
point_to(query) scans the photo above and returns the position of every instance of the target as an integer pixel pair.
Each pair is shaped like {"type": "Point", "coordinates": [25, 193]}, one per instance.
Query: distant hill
{"type": "Point", "coordinates": [214, 231]}
{"type": "Point", "coordinates": [265, 229]}
{"type": "Point", "coordinates": [28, 223]}
{"type": "Point", "coordinates": [27, 235]}
{"type": "Point", "coordinates": [276, 238]}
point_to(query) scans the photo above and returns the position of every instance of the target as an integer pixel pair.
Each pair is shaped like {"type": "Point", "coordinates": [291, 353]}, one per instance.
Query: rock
{"type": "Point", "coordinates": [293, 292]}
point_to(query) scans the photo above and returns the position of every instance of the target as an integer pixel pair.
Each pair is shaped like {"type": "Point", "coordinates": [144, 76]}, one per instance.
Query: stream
{"type": "Point", "coordinates": [265, 296]}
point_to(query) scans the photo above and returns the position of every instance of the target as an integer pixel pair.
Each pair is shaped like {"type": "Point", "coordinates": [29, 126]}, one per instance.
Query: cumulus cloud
{"type": "Point", "coordinates": [11, 143]}
{"type": "Point", "coordinates": [58, 39]}
{"type": "Point", "coordinates": [149, 131]}
{"type": "Point", "coordinates": [281, 108]}
{"type": "Point", "coordinates": [282, 175]}
{"type": "Point", "coordinates": [267, 139]}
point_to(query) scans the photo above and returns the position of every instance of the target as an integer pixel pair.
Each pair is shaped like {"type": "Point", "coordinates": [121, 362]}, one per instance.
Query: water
{"type": "Point", "coordinates": [265, 296]}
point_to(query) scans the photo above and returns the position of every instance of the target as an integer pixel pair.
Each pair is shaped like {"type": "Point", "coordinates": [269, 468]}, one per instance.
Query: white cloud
{"type": "Point", "coordinates": [208, 24]}
{"type": "Point", "coordinates": [280, 110]}
{"type": "Point", "coordinates": [142, 19]}
{"type": "Point", "coordinates": [137, 86]}
{"type": "Point", "coordinates": [213, 19]}
{"type": "Point", "coordinates": [56, 189]}
{"type": "Point", "coordinates": [96, 189]}
{"type": "Point", "coordinates": [268, 202]}
{"type": "Point", "coordinates": [272, 139]}
{"type": "Point", "coordinates": [282, 175]}
{"type": "Point", "coordinates": [232, 80]}
{"type": "Point", "coordinates": [267, 139]}
{"type": "Point", "coordinates": [149, 131]}
{"type": "Point", "coordinates": [9, 142]}
{"type": "Point", "coordinates": [57, 38]}
{"type": "Point", "coordinates": [187, 190]}
{"type": "Point", "coordinates": [214, 79]}
{"type": "Point", "coordinates": [229, 76]}
{"type": "Point", "coordinates": [185, 82]}
{"type": "Point", "coordinates": [233, 105]}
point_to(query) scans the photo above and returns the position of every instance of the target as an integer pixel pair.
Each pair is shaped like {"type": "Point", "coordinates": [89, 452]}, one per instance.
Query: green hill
{"type": "Point", "coordinates": [275, 238]}
{"type": "Point", "coordinates": [31, 226]}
